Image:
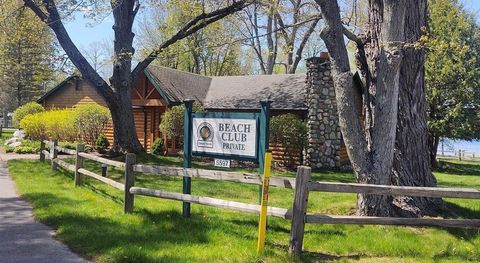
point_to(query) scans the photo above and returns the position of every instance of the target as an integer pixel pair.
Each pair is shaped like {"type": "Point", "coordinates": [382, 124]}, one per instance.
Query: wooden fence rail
{"type": "Point", "coordinates": [394, 190]}
{"type": "Point", "coordinates": [220, 203]}
{"type": "Point", "coordinates": [283, 182]}
{"type": "Point", "coordinates": [302, 185]}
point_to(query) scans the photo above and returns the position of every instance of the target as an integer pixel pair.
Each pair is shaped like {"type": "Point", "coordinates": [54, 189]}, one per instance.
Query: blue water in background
{"type": "Point", "coordinates": [451, 146]}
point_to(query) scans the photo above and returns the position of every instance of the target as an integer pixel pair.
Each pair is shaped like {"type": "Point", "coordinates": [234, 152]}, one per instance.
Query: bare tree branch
{"type": "Point", "coordinates": [190, 28]}
{"type": "Point", "coordinates": [350, 35]}
{"type": "Point", "coordinates": [303, 43]}
{"type": "Point", "coordinates": [52, 18]}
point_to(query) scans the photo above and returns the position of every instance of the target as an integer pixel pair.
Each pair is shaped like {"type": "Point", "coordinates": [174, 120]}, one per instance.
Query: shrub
{"type": "Point", "coordinates": [291, 132]}
{"type": "Point", "coordinates": [53, 125]}
{"type": "Point", "coordinates": [34, 126]}
{"type": "Point", "coordinates": [27, 146]}
{"type": "Point", "coordinates": [157, 147]}
{"type": "Point", "coordinates": [59, 125]}
{"type": "Point", "coordinates": [68, 145]}
{"type": "Point", "coordinates": [24, 110]}
{"type": "Point", "coordinates": [172, 120]}
{"type": "Point", "coordinates": [90, 120]}
{"type": "Point", "coordinates": [25, 149]}
{"type": "Point", "coordinates": [85, 122]}
{"type": "Point", "coordinates": [101, 142]}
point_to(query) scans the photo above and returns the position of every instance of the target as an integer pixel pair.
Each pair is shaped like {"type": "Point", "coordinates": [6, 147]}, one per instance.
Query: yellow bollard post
{"type": "Point", "coordinates": [262, 225]}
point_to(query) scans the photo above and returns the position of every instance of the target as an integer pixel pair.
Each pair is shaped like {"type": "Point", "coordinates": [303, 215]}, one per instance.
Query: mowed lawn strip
{"type": "Point", "coordinates": [90, 220]}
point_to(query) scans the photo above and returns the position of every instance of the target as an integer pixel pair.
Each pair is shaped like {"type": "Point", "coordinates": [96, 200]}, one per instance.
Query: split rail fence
{"type": "Point", "coordinates": [302, 186]}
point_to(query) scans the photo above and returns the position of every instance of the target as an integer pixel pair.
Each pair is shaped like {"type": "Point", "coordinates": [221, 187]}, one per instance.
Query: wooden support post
{"type": "Point", "coordinates": [459, 155]}
{"type": "Point", "coordinates": [299, 212]}
{"type": "Point", "coordinates": [264, 138]}
{"type": "Point", "coordinates": [79, 165]}
{"type": "Point", "coordinates": [130, 160]}
{"type": "Point", "coordinates": [187, 152]}
{"type": "Point", "coordinates": [42, 148]}
{"type": "Point", "coordinates": [53, 154]}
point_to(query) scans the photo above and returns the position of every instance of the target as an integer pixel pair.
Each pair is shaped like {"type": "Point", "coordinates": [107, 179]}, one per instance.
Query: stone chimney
{"type": "Point", "coordinates": [324, 136]}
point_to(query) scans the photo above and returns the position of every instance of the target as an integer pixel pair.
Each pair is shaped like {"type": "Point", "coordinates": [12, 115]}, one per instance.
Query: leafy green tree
{"type": "Point", "coordinates": [452, 74]}
{"type": "Point", "coordinates": [27, 55]}
{"type": "Point", "coordinates": [291, 133]}
{"type": "Point", "coordinates": [172, 121]}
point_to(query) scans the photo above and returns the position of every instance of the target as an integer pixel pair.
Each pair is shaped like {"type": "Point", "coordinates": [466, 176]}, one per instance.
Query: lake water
{"type": "Point", "coordinates": [453, 146]}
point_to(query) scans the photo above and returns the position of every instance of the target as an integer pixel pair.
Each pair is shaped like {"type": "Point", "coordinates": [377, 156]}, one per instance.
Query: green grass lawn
{"type": "Point", "coordinates": [7, 133]}
{"type": "Point", "coordinates": [89, 219]}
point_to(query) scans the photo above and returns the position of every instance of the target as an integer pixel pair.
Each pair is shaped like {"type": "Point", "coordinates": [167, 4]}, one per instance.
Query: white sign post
{"type": "Point", "coordinates": [225, 137]}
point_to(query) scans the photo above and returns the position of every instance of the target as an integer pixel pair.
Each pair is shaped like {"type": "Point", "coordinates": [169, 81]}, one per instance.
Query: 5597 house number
{"type": "Point", "coordinates": [222, 163]}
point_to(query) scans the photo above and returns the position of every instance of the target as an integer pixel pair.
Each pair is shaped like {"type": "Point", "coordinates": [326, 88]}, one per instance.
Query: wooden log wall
{"type": "Point", "coordinates": [283, 158]}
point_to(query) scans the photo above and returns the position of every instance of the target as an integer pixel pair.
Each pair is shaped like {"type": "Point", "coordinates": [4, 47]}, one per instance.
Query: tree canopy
{"type": "Point", "coordinates": [452, 73]}
{"type": "Point", "coordinates": [27, 55]}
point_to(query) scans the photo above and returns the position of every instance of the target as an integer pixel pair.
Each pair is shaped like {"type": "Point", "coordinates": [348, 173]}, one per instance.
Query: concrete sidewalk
{"type": "Point", "coordinates": [22, 239]}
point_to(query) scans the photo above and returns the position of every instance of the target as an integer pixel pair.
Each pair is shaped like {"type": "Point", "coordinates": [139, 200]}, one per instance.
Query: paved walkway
{"type": "Point", "coordinates": [22, 239]}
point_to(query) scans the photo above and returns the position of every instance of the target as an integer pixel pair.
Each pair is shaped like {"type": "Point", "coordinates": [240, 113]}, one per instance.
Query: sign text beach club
{"type": "Point", "coordinates": [225, 135]}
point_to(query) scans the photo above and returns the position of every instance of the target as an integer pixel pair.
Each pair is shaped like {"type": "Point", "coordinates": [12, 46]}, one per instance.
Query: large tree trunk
{"type": "Point", "coordinates": [370, 148]}
{"type": "Point", "coordinates": [412, 166]}
{"type": "Point", "coordinates": [124, 131]}
{"type": "Point", "coordinates": [120, 104]}
{"type": "Point", "coordinates": [395, 142]}
{"type": "Point", "coordinates": [381, 66]}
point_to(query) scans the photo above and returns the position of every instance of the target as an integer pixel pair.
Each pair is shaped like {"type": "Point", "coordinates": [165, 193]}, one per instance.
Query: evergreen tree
{"type": "Point", "coordinates": [452, 74]}
{"type": "Point", "coordinates": [26, 55]}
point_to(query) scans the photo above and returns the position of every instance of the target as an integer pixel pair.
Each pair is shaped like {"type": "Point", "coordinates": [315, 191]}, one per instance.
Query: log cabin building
{"type": "Point", "coordinates": [310, 96]}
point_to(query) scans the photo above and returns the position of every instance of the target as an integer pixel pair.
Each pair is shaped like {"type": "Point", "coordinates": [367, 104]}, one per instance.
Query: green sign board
{"type": "Point", "coordinates": [225, 135]}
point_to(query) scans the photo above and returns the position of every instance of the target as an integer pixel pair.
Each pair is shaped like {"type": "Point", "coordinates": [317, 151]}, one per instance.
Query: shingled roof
{"type": "Point", "coordinates": [287, 91]}
{"type": "Point", "coordinates": [177, 85]}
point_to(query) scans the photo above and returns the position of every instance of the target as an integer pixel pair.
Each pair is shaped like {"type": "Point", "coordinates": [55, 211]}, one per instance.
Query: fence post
{"type": "Point", "coordinates": [300, 203]}
{"type": "Point", "coordinates": [187, 152]}
{"type": "Point", "coordinates": [53, 154]}
{"type": "Point", "coordinates": [42, 148]}
{"type": "Point", "coordinates": [130, 160]}
{"type": "Point", "coordinates": [79, 165]}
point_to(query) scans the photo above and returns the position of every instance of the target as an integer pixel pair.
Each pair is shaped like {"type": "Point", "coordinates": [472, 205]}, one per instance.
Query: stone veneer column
{"type": "Point", "coordinates": [324, 136]}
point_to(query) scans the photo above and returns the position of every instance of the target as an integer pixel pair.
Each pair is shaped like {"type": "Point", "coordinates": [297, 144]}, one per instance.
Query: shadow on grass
{"type": "Point", "coordinates": [121, 238]}
{"type": "Point", "coordinates": [103, 193]}
{"type": "Point", "coordinates": [458, 168]}
{"type": "Point", "coordinates": [254, 223]}
{"type": "Point", "coordinates": [308, 256]}
{"type": "Point", "coordinates": [457, 211]}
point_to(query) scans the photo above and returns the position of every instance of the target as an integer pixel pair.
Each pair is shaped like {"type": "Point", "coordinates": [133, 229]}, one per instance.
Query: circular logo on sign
{"type": "Point", "coordinates": [205, 131]}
